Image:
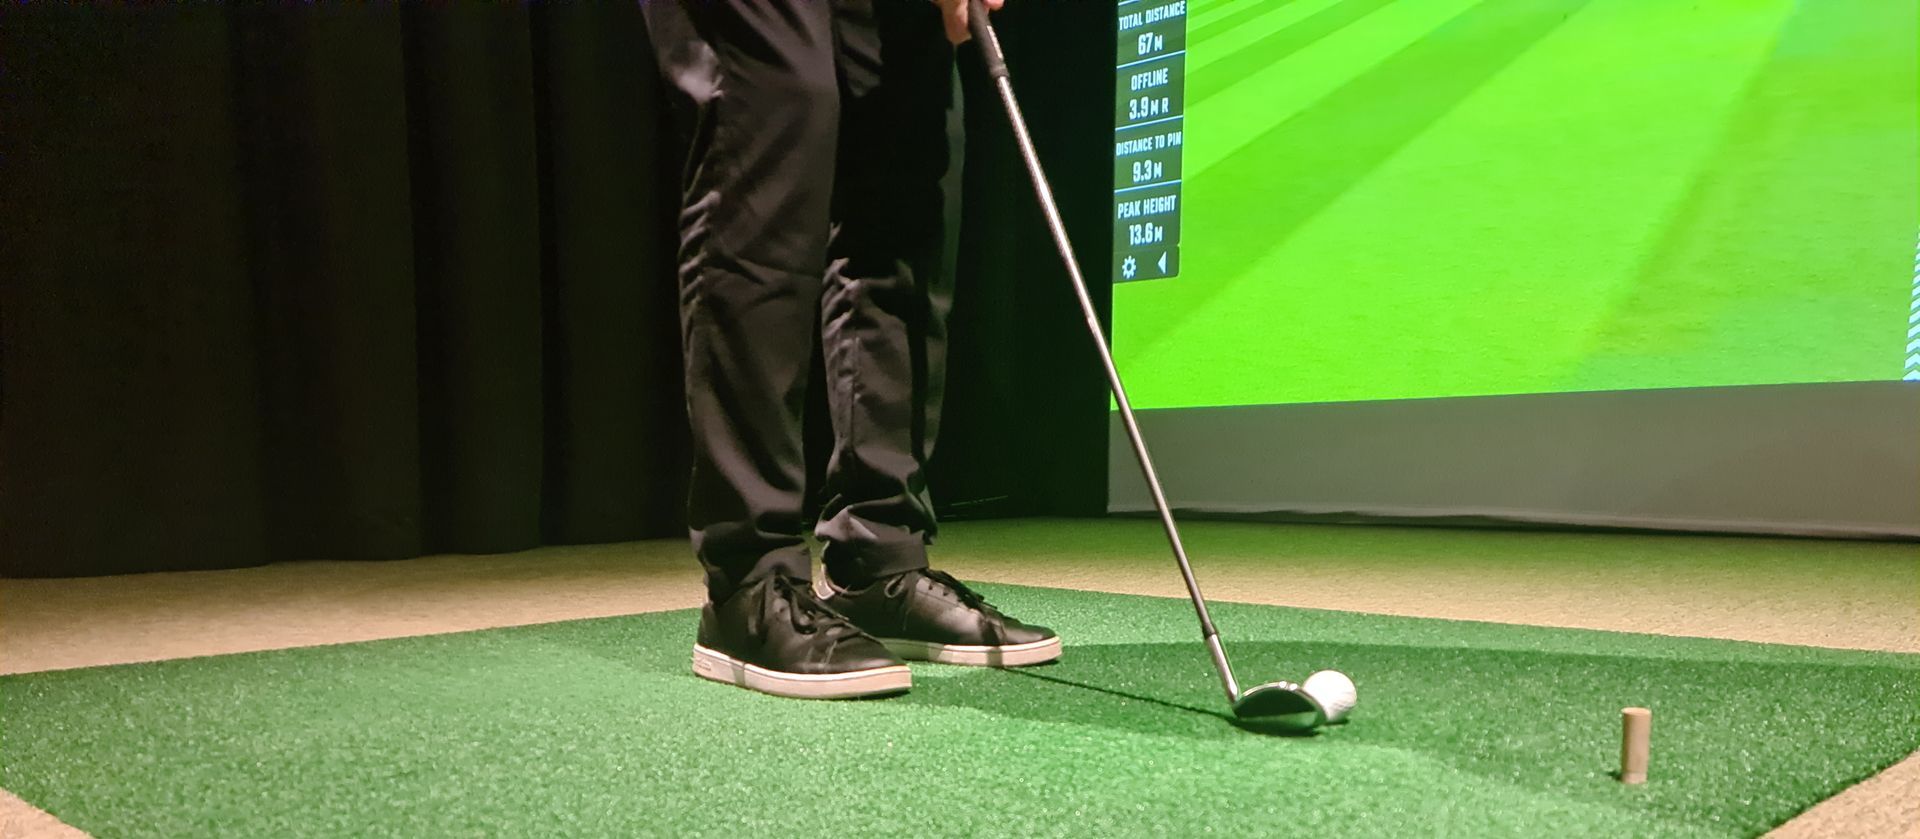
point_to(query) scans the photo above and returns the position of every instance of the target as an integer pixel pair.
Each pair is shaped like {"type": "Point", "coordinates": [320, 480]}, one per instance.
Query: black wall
{"type": "Point", "coordinates": [348, 282]}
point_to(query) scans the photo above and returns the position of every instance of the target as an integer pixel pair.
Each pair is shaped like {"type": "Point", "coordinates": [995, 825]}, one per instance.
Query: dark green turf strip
{"type": "Point", "coordinates": [596, 728]}
{"type": "Point", "coordinates": [1234, 20]}
{"type": "Point", "coordinates": [1238, 65]}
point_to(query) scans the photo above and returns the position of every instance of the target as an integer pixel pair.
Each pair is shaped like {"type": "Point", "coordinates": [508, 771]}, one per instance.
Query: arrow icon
{"type": "Point", "coordinates": [1163, 262]}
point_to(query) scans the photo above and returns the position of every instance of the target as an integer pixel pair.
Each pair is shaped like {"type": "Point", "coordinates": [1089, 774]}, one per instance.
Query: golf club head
{"type": "Point", "coordinates": [1279, 705]}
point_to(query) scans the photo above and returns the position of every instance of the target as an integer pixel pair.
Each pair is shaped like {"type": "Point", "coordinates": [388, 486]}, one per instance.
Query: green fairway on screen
{"type": "Point", "coordinates": [1337, 200]}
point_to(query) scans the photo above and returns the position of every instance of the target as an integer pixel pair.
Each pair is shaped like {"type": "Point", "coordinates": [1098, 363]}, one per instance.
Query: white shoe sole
{"type": "Point", "coordinates": [720, 667]}
{"type": "Point", "coordinates": [976, 655]}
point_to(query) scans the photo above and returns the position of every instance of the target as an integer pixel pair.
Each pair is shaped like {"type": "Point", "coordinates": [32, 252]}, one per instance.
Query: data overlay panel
{"type": "Point", "coordinates": [1149, 132]}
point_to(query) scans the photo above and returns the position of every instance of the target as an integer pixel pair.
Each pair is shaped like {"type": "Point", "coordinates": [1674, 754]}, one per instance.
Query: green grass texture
{"type": "Point", "coordinates": [597, 728]}
{"type": "Point", "coordinates": [1419, 198]}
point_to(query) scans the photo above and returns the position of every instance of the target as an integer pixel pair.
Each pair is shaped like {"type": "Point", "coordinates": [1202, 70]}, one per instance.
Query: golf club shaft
{"type": "Point", "coordinates": [996, 65]}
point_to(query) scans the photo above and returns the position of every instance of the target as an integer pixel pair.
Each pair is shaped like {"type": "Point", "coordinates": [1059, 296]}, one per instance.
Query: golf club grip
{"type": "Point", "coordinates": [984, 36]}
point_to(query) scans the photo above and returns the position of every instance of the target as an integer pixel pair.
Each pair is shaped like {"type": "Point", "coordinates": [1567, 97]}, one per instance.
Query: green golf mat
{"type": "Point", "coordinates": [597, 727]}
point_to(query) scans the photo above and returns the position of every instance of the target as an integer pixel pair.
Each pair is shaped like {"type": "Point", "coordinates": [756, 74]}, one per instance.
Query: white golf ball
{"type": "Point", "coordinates": [1334, 691]}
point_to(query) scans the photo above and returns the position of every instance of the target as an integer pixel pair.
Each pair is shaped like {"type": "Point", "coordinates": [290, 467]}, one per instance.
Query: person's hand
{"type": "Point", "coordinates": [954, 12]}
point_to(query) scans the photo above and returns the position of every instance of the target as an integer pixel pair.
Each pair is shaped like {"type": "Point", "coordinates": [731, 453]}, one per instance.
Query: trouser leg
{"type": "Point", "coordinates": [889, 284]}
{"type": "Point", "coordinates": [755, 87]}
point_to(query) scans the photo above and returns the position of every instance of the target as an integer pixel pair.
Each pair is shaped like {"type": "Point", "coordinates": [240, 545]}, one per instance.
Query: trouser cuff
{"type": "Point", "coordinates": [854, 565]}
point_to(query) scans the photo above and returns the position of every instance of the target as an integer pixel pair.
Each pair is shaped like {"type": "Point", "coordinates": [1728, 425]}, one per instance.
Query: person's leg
{"type": "Point", "coordinates": [889, 284]}
{"type": "Point", "coordinates": [757, 96]}
{"type": "Point", "coordinates": [754, 85]}
{"type": "Point", "coordinates": [884, 330]}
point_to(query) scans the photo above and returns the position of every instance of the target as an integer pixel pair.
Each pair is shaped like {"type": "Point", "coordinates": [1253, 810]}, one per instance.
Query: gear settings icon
{"type": "Point", "coordinates": [1128, 268]}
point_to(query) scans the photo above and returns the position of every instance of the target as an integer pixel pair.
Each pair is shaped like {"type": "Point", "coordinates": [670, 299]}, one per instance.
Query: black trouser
{"type": "Point", "coordinates": [819, 199]}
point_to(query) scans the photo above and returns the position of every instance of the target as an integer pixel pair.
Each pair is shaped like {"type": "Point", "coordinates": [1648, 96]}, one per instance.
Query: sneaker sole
{"type": "Point", "coordinates": [976, 655]}
{"type": "Point", "coordinates": [720, 667]}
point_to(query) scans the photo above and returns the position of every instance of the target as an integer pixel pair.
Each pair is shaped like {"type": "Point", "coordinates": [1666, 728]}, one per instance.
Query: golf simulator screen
{"type": "Point", "coordinates": [1340, 201]}
{"type": "Point", "coordinates": [1328, 201]}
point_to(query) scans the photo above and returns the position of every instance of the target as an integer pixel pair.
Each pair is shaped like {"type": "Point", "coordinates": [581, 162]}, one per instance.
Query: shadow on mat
{"type": "Point", "coordinates": [1254, 726]}
{"type": "Point", "coordinates": [1145, 688]}
{"type": "Point", "coordinates": [1479, 709]}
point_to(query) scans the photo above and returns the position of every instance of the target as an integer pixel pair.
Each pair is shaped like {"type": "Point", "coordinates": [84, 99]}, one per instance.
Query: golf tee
{"type": "Point", "coordinates": [1635, 726]}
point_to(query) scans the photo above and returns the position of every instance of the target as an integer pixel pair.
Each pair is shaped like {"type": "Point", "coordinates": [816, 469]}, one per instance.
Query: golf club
{"type": "Point", "coordinates": [1280, 704]}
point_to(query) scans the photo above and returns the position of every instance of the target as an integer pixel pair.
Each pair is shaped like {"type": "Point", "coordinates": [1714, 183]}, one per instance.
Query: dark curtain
{"type": "Point", "coordinates": [360, 282]}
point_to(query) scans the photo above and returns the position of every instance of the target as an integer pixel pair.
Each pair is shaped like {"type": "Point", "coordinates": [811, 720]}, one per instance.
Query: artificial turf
{"type": "Point", "coordinates": [1423, 198]}
{"type": "Point", "coordinates": [596, 727]}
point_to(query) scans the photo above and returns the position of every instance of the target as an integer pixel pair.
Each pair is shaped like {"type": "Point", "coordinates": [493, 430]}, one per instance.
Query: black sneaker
{"type": "Point", "coordinates": [926, 615]}
{"type": "Point", "coordinates": [775, 637]}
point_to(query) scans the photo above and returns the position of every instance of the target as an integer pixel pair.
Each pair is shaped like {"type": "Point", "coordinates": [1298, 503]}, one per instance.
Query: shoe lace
{"type": "Point", "coordinates": [805, 610]}
{"type": "Point", "coordinates": [967, 596]}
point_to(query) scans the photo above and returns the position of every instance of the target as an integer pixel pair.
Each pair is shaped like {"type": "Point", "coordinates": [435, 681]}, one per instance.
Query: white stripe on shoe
{"type": "Point", "coordinates": [978, 655]}
{"type": "Point", "coordinates": [720, 667]}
